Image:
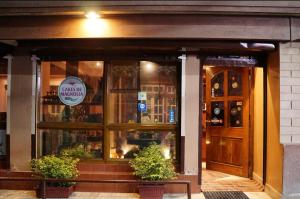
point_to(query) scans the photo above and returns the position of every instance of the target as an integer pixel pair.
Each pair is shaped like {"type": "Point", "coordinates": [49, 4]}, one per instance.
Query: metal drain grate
{"type": "Point", "coordinates": [225, 195]}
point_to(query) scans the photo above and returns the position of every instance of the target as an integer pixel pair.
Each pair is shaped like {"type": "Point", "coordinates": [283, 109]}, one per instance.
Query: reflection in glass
{"type": "Point", "coordinates": [159, 82]}
{"type": "Point", "coordinates": [123, 107]}
{"type": "Point", "coordinates": [53, 141]}
{"type": "Point", "coordinates": [217, 114]}
{"type": "Point", "coordinates": [90, 110]}
{"type": "Point", "coordinates": [124, 75]}
{"type": "Point", "coordinates": [217, 85]}
{"type": "Point", "coordinates": [235, 113]}
{"type": "Point", "coordinates": [124, 144]}
{"type": "Point", "coordinates": [234, 83]}
{"type": "Point", "coordinates": [155, 91]}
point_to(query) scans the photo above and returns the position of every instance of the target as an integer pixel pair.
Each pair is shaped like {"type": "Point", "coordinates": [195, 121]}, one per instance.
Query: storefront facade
{"type": "Point", "coordinates": [140, 70]}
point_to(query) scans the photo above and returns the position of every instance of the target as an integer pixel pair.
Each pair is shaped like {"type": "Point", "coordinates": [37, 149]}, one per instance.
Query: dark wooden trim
{"type": "Point", "coordinates": [138, 66]}
{"type": "Point", "coordinates": [265, 116]}
{"type": "Point", "coordinates": [69, 125]}
{"type": "Point", "coordinates": [33, 146]}
{"type": "Point", "coordinates": [106, 143]}
{"type": "Point", "coordinates": [124, 90]}
{"type": "Point", "coordinates": [158, 50]}
{"type": "Point", "coordinates": [251, 121]}
{"type": "Point", "coordinates": [182, 153]}
{"type": "Point", "coordinates": [7, 164]}
{"type": "Point", "coordinates": [200, 127]}
{"type": "Point", "coordinates": [142, 126]}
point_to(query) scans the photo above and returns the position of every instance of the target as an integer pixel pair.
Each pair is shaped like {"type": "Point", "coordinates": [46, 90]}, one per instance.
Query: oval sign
{"type": "Point", "coordinates": [71, 91]}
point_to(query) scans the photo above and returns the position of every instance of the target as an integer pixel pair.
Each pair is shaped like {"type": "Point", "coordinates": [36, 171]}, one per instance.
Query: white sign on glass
{"type": "Point", "coordinates": [72, 91]}
{"type": "Point", "coordinates": [142, 95]}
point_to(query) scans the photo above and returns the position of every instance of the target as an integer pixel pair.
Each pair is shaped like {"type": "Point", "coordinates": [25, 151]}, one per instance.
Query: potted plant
{"type": "Point", "coordinates": [55, 167]}
{"type": "Point", "coordinates": [150, 165]}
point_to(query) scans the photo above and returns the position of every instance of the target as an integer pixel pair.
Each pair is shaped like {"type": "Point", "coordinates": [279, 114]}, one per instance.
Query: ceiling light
{"type": "Point", "coordinates": [92, 15]}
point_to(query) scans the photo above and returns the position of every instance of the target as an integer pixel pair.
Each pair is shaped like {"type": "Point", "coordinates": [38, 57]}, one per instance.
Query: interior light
{"type": "Point", "coordinates": [98, 63]}
{"type": "Point", "coordinates": [149, 67]}
{"type": "Point", "coordinates": [92, 15]}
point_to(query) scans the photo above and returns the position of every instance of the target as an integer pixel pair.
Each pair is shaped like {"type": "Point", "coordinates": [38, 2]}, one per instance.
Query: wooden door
{"type": "Point", "coordinates": [227, 130]}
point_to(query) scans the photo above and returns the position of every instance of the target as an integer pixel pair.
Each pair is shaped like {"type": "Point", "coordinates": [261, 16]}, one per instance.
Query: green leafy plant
{"type": "Point", "coordinates": [55, 167]}
{"type": "Point", "coordinates": [77, 151]}
{"type": "Point", "coordinates": [150, 164]}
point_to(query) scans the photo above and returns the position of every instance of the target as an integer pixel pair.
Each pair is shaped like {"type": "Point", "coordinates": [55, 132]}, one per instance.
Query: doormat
{"type": "Point", "coordinates": [225, 195]}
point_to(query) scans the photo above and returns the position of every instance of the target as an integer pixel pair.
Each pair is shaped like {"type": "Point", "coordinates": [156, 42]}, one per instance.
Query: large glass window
{"type": "Point", "coordinates": [63, 126]}
{"type": "Point", "coordinates": [125, 143]}
{"type": "Point", "coordinates": [90, 110]}
{"type": "Point", "coordinates": [143, 92]}
{"type": "Point", "coordinates": [142, 104]}
{"type": "Point", "coordinates": [56, 140]}
{"type": "Point", "coordinates": [128, 105]}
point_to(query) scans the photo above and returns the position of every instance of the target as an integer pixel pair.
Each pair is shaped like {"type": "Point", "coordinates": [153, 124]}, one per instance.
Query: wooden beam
{"type": "Point", "coordinates": [147, 27]}
{"type": "Point", "coordinates": [286, 8]}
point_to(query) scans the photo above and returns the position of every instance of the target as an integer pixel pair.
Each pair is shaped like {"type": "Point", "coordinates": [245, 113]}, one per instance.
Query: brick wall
{"type": "Point", "coordinates": [290, 93]}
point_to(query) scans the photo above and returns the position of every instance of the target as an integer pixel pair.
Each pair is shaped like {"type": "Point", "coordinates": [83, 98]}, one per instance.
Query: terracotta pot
{"type": "Point", "coordinates": [150, 191]}
{"type": "Point", "coordinates": [55, 192]}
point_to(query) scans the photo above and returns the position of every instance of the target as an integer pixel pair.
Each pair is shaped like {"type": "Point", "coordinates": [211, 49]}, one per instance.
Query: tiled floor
{"type": "Point", "coordinates": [217, 181]}
{"type": "Point", "coordinates": [12, 194]}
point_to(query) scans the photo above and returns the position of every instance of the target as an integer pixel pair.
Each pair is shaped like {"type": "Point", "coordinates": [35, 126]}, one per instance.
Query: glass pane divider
{"type": "Point", "coordinates": [142, 127]}
{"type": "Point", "coordinates": [69, 125]}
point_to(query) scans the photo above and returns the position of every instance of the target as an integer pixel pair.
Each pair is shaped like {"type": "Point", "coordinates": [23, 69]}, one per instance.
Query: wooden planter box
{"type": "Point", "coordinates": [55, 192]}
{"type": "Point", "coordinates": [150, 191]}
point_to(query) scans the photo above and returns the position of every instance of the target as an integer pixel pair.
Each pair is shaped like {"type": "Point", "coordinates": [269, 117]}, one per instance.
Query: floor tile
{"type": "Point", "coordinates": [17, 194]}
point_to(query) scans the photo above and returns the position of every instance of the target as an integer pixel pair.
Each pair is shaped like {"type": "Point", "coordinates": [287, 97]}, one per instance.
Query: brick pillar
{"type": "Point", "coordinates": [290, 117]}
{"type": "Point", "coordinates": [290, 93]}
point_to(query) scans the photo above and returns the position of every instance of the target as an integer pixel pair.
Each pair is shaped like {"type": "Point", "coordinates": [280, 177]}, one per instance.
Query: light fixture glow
{"type": "Point", "coordinates": [92, 15]}
{"type": "Point", "coordinates": [98, 64]}
{"type": "Point", "coordinates": [149, 67]}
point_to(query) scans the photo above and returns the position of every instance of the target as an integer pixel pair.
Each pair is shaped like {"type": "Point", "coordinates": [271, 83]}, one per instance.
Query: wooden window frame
{"type": "Point", "coordinates": [106, 126]}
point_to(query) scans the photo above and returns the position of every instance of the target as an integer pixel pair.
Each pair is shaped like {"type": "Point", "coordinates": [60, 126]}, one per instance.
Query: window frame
{"type": "Point", "coordinates": [106, 126]}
